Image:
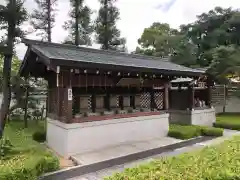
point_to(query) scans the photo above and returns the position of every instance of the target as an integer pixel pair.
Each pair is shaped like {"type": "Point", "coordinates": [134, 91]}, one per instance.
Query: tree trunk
{"type": "Point", "coordinates": [49, 31]}
{"type": "Point", "coordinates": [6, 92]}
{"type": "Point", "coordinates": [7, 72]}
{"type": "Point", "coordinates": [76, 22]}
{"type": "Point", "coordinates": [106, 39]}
{"type": "Point", "coordinates": [26, 108]}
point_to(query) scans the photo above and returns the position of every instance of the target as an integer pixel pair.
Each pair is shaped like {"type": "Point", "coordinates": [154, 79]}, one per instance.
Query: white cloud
{"type": "Point", "coordinates": [139, 14]}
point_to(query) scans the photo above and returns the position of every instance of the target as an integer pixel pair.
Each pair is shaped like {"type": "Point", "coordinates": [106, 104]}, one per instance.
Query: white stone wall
{"type": "Point", "coordinates": [202, 117]}
{"type": "Point", "coordinates": [205, 117]}
{"type": "Point", "coordinates": [70, 139]}
{"type": "Point", "coordinates": [232, 106]}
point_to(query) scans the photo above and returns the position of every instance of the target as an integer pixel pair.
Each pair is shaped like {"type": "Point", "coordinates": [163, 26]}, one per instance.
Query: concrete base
{"type": "Point", "coordinates": [202, 117]}
{"type": "Point", "coordinates": [71, 139]}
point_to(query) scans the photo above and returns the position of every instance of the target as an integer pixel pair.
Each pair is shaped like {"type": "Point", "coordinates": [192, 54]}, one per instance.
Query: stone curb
{"type": "Point", "coordinates": [86, 169]}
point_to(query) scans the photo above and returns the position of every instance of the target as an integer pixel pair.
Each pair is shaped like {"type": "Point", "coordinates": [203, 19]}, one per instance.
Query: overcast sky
{"type": "Point", "coordinates": [138, 14]}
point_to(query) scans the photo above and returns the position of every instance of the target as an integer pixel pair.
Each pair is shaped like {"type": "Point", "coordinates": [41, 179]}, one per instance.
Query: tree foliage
{"type": "Point", "coordinates": [43, 18]}
{"type": "Point", "coordinates": [79, 25]}
{"type": "Point", "coordinates": [158, 40]}
{"type": "Point", "coordinates": [107, 33]}
{"type": "Point", "coordinates": [211, 41]}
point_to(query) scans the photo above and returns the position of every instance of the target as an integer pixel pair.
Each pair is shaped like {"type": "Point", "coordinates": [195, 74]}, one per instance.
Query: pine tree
{"type": "Point", "coordinates": [43, 18]}
{"type": "Point", "coordinates": [106, 30]}
{"type": "Point", "coordinates": [79, 26]}
{"type": "Point", "coordinates": [11, 18]}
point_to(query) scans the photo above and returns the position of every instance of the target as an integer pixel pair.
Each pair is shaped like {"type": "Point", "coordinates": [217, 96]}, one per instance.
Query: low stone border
{"type": "Point", "coordinates": [86, 169]}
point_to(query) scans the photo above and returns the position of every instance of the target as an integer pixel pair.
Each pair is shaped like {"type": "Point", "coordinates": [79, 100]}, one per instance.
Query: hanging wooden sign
{"type": "Point", "coordinates": [69, 94]}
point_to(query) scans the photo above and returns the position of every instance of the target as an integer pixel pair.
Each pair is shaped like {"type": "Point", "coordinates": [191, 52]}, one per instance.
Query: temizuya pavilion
{"type": "Point", "coordinates": [100, 98]}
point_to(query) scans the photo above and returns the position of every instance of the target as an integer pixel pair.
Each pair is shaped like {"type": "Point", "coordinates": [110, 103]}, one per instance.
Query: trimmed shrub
{"type": "Point", "coordinates": [191, 131]}
{"type": "Point", "coordinates": [183, 132]}
{"type": "Point", "coordinates": [39, 136]}
{"type": "Point", "coordinates": [227, 125]}
{"type": "Point", "coordinates": [28, 166]}
{"type": "Point", "coordinates": [219, 162]}
{"type": "Point", "coordinates": [211, 131]}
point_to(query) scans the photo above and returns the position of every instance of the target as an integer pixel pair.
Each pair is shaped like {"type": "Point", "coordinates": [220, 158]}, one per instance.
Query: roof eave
{"type": "Point", "coordinates": [21, 69]}
{"type": "Point", "coordinates": [81, 64]}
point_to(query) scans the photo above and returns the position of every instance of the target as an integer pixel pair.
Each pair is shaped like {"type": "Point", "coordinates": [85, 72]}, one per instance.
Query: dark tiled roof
{"type": "Point", "coordinates": [81, 54]}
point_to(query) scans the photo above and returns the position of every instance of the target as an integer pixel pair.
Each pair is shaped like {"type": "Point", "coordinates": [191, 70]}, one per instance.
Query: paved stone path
{"type": "Point", "coordinates": [108, 172]}
{"type": "Point", "coordinates": [122, 150]}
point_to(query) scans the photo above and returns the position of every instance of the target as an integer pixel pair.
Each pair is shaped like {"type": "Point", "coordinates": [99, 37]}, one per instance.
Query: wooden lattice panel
{"type": "Point", "coordinates": [145, 100]}
{"type": "Point", "coordinates": [158, 97]}
{"type": "Point", "coordinates": [90, 102]}
{"type": "Point", "coordinates": [85, 103]}
{"type": "Point", "coordinates": [126, 101]}
{"type": "Point", "coordinates": [137, 101]}
{"type": "Point", "coordinates": [99, 102]}
{"type": "Point", "coordinates": [52, 100]}
{"type": "Point", "coordinates": [117, 101]}
{"type": "Point", "coordinates": [114, 101]}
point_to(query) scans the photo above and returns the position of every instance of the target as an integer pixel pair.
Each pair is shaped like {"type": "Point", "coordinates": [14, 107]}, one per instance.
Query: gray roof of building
{"type": "Point", "coordinates": [178, 80]}
{"type": "Point", "coordinates": [81, 54]}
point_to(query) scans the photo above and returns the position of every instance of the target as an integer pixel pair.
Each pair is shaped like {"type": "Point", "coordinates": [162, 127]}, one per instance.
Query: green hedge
{"type": "Point", "coordinates": [28, 166]}
{"type": "Point", "coordinates": [227, 125]}
{"type": "Point", "coordinates": [191, 131]}
{"type": "Point", "coordinates": [220, 162]}
{"type": "Point", "coordinates": [183, 132]}
{"type": "Point", "coordinates": [211, 131]}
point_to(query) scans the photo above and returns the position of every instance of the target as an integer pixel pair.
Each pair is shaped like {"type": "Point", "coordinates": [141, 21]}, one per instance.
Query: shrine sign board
{"type": "Point", "coordinates": [70, 94]}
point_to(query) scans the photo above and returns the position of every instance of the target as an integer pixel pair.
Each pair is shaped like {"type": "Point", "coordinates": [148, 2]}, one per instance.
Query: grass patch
{"type": "Point", "coordinates": [228, 122]}
{"type": "Point", "coordinates": [27, 159]}
{"type": "Point", "coordinates": [191, 131]}
{"type": "Point", "coordinates": [221, 162]}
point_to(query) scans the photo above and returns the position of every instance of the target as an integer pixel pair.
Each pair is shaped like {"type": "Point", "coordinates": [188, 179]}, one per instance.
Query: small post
{"type": "Point", "coordinates": [224, 100]}
{"type": "Point", "coordinates": [166, 96]}
{"type": "Point", "coordinates": [26, 108]}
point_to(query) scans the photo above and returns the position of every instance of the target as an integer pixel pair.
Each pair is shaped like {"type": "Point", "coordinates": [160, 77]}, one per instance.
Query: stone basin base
{"type": "Point", "coordinates": [75, 138]}
{"type": "Point", "coordinates": [201, 117]}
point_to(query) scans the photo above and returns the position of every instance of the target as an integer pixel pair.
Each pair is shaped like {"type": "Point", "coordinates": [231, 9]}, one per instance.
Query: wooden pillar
{"type": "Point", "coordinates": [107, 101]}
{"type": "Point", "coordinates": [132, 101]}
{"type": "Point", "coordinates": [166, 96]}
{"type": "Point", "coordinates": [152, 99]}
{"type": "Point", "coordinates": [121, 98]}
{"type": "Point", "coordinates": [191, 97]}
{"type": "Point", "coordinates": [58, 95]}
{"type": "Point", "coordinates": [93, 99]}
{"type": "Point", "coordinates": [209, 96]}
{"type": "Point", "coordinates": [68, 100]}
